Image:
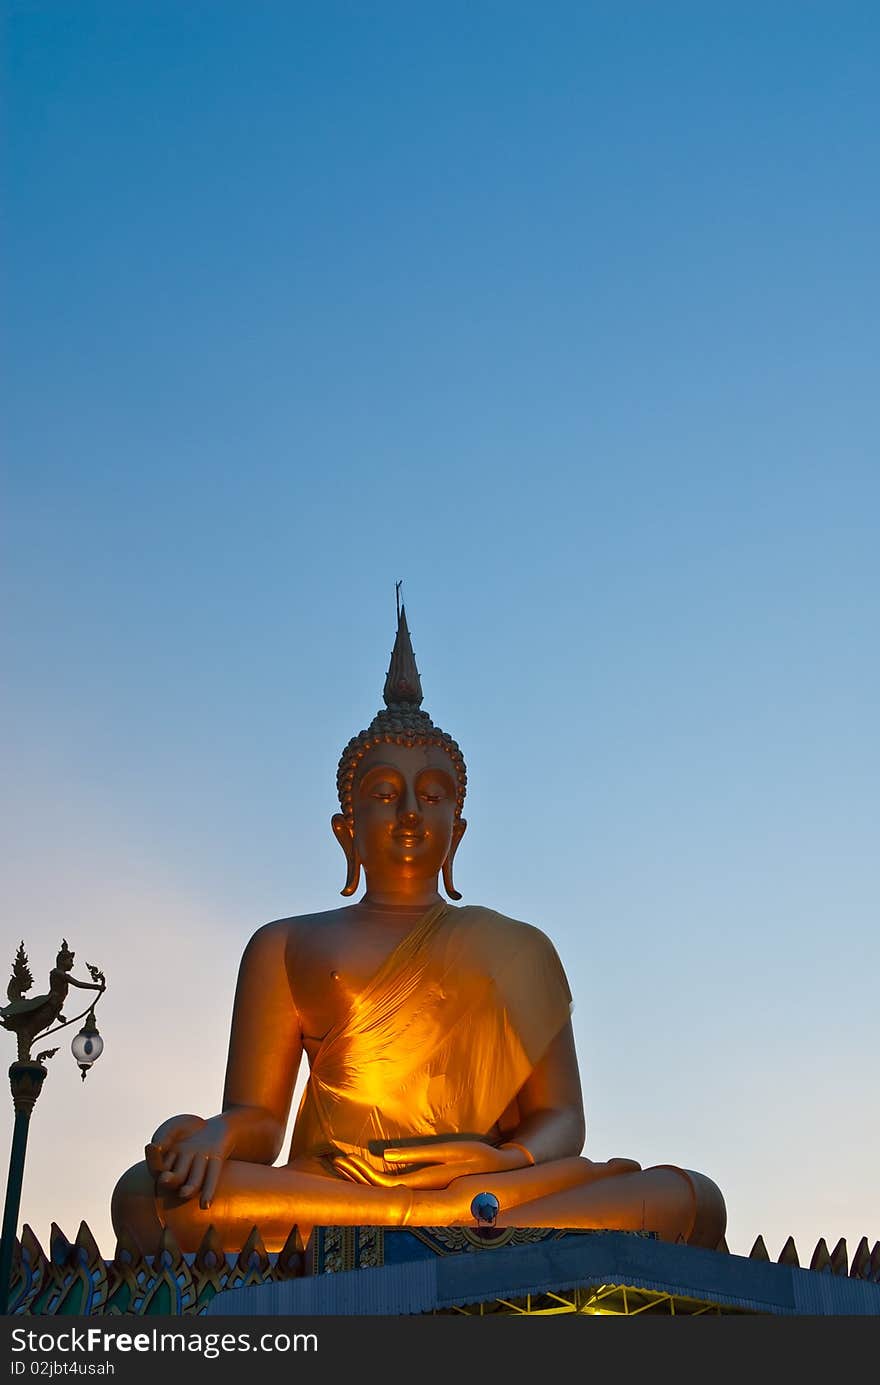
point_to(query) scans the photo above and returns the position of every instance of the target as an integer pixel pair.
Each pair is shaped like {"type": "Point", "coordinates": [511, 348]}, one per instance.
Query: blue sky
{"type": "Point", "coordinates": [565, 315]}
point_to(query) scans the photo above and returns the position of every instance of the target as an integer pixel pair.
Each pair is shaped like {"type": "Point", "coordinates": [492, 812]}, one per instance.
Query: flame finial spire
{"type": "Point", "coordinates": [402, 721]}
{"type": "Point", "coordinates": [403, 687]}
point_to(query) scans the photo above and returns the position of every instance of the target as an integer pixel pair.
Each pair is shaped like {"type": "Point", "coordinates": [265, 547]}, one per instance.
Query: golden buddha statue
{"type": "Point", "coordinates": [441, 1056]}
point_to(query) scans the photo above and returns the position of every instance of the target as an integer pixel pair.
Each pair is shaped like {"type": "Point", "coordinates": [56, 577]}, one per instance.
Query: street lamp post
{"type": "Point", "coordinates": [30, 1019]}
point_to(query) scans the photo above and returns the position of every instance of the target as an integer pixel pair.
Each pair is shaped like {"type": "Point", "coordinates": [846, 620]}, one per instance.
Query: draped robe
{"type": "Point", "coordinates": [439, 1042]}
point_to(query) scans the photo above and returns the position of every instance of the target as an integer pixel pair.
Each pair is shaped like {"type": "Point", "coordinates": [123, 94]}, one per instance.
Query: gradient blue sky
{"type": "Point", "coordinates": [566, 315]}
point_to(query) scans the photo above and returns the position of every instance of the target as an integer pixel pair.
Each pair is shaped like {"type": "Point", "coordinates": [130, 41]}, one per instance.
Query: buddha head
{"type": "Point", "coordinates": [401, 785]}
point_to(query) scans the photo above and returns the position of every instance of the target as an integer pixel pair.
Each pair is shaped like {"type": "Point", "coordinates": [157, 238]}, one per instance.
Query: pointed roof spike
{"type": "Point", "coordinates": [127, 1251]}
{"type": "Point", "coordinates": [210, 1254]}
{"type": "Point", "coordinates": [759, 1251]}
{"type": "Point", "coordinates": [861, 1261]}
{"type": "Point", "coordinates": [874, 1267]}
{"type": "Point", "coordinates": [402, 682]}
{"type": "Point", "coordinates": [722, 1247]}
{"type": "Point", "coordinates": [788, 1254]}
{"type": "Point", "coordinates": [821, 1260]}
{"type": "Point", "coordinates": [30, 1246]}
{"type": "Point", "coordinates": [85, 1239]}
{"type": "Point", "coordinates": [86, 1242]}
{"type": "Point", "coordinates": [289, 1261]}
{"type": "Point", "coordinates": [168, 1252]}
{"type": "Point", "coordinates": [253, 1252]}
{"type": "Point", "coordinates": [839, 1258]}
{"type": "Point", "coordinates": [59, 1246]}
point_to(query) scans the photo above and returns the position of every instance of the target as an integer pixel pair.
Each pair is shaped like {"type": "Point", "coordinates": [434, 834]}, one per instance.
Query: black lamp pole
{"type": "Point", "coordinates": [32, 1019]}
{"type": "Point", "coordinates": [26, 1080]}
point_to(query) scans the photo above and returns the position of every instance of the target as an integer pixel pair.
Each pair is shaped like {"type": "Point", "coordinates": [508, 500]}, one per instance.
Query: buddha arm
{"type": "Point", "coordinates": [551, 1124]}
{"type": "Point", "coordinates": [265, 1050]}
{"type": "Point", "coordinates": [186, 1153]}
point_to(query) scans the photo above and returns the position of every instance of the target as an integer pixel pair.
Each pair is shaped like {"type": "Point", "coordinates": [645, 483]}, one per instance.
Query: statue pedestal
{"type": "Point", "coordinates": [539, 1271]}
{"type": "Point", "coordinates": [332, 1249]}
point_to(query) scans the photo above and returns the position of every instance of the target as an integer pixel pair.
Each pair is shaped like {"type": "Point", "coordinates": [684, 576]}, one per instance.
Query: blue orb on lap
{"type": "Point", "coordinates": [485, 1208]}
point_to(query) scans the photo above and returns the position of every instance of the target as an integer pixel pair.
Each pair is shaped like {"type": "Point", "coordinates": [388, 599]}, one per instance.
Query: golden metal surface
{"type": "Point", "coordinates": [438, 1038]}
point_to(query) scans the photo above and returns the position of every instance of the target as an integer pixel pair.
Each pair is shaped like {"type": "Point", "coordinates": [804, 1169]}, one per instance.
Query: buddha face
{"type": "Point", "coordinates": [404, 829]}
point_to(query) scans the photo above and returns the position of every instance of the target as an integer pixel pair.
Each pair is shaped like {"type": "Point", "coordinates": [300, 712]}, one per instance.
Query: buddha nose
{"type": "Point", "coordinates": [409, 814]}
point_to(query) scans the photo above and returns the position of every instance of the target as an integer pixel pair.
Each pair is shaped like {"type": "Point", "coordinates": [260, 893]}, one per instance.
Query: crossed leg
{"type": "Point", "coordinates": [675, 1203]}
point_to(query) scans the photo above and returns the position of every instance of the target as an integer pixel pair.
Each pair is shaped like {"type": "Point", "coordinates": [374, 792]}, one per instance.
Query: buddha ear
{"type": "Point", "coordinates": [343, 831]}
{"type": "Point", "coordinates": [458, 831]}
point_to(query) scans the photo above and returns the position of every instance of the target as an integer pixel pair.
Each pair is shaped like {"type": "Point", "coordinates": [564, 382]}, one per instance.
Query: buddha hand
{"type": "Point", "coordinates": [186, 1156]}
{"type": "Point", "coordinates": [437, 1164]}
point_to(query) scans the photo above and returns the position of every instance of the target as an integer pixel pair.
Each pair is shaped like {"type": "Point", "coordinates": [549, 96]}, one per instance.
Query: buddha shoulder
{"type": "Point", "coordinates": [521, 960]}
{"type": "Point", "coordinates": [298, 933]}
{"type": "Point", "coordinates": [501, 930]}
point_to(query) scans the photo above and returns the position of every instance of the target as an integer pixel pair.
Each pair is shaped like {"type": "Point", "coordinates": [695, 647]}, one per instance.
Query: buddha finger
{"type": "Point", "coordinates": [210, 1181]}
{"type": "Point", "coordinates": [614, 1167]}
{"type": "Point", "coordinates": [439, 1153]}
{"type": "Point", "coordinates": [359, 1171]}
{"type": "Point", "coordinates": [196, 1175]}
{"type": "Point", "coordinates": [156, 1157]}
{"type": "Point", "coordinates": [177, 1173]}
{"type": "Point", "coordinates": [432, 1176]}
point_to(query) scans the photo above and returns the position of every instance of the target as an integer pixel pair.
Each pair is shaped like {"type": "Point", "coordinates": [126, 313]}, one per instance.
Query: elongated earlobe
{"type": "Point", "coordinates": [448, 882]}
{"type": "Point", "coordinates": [344, 834]}
{"type": "Point", "coordinates": [458, 831]}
